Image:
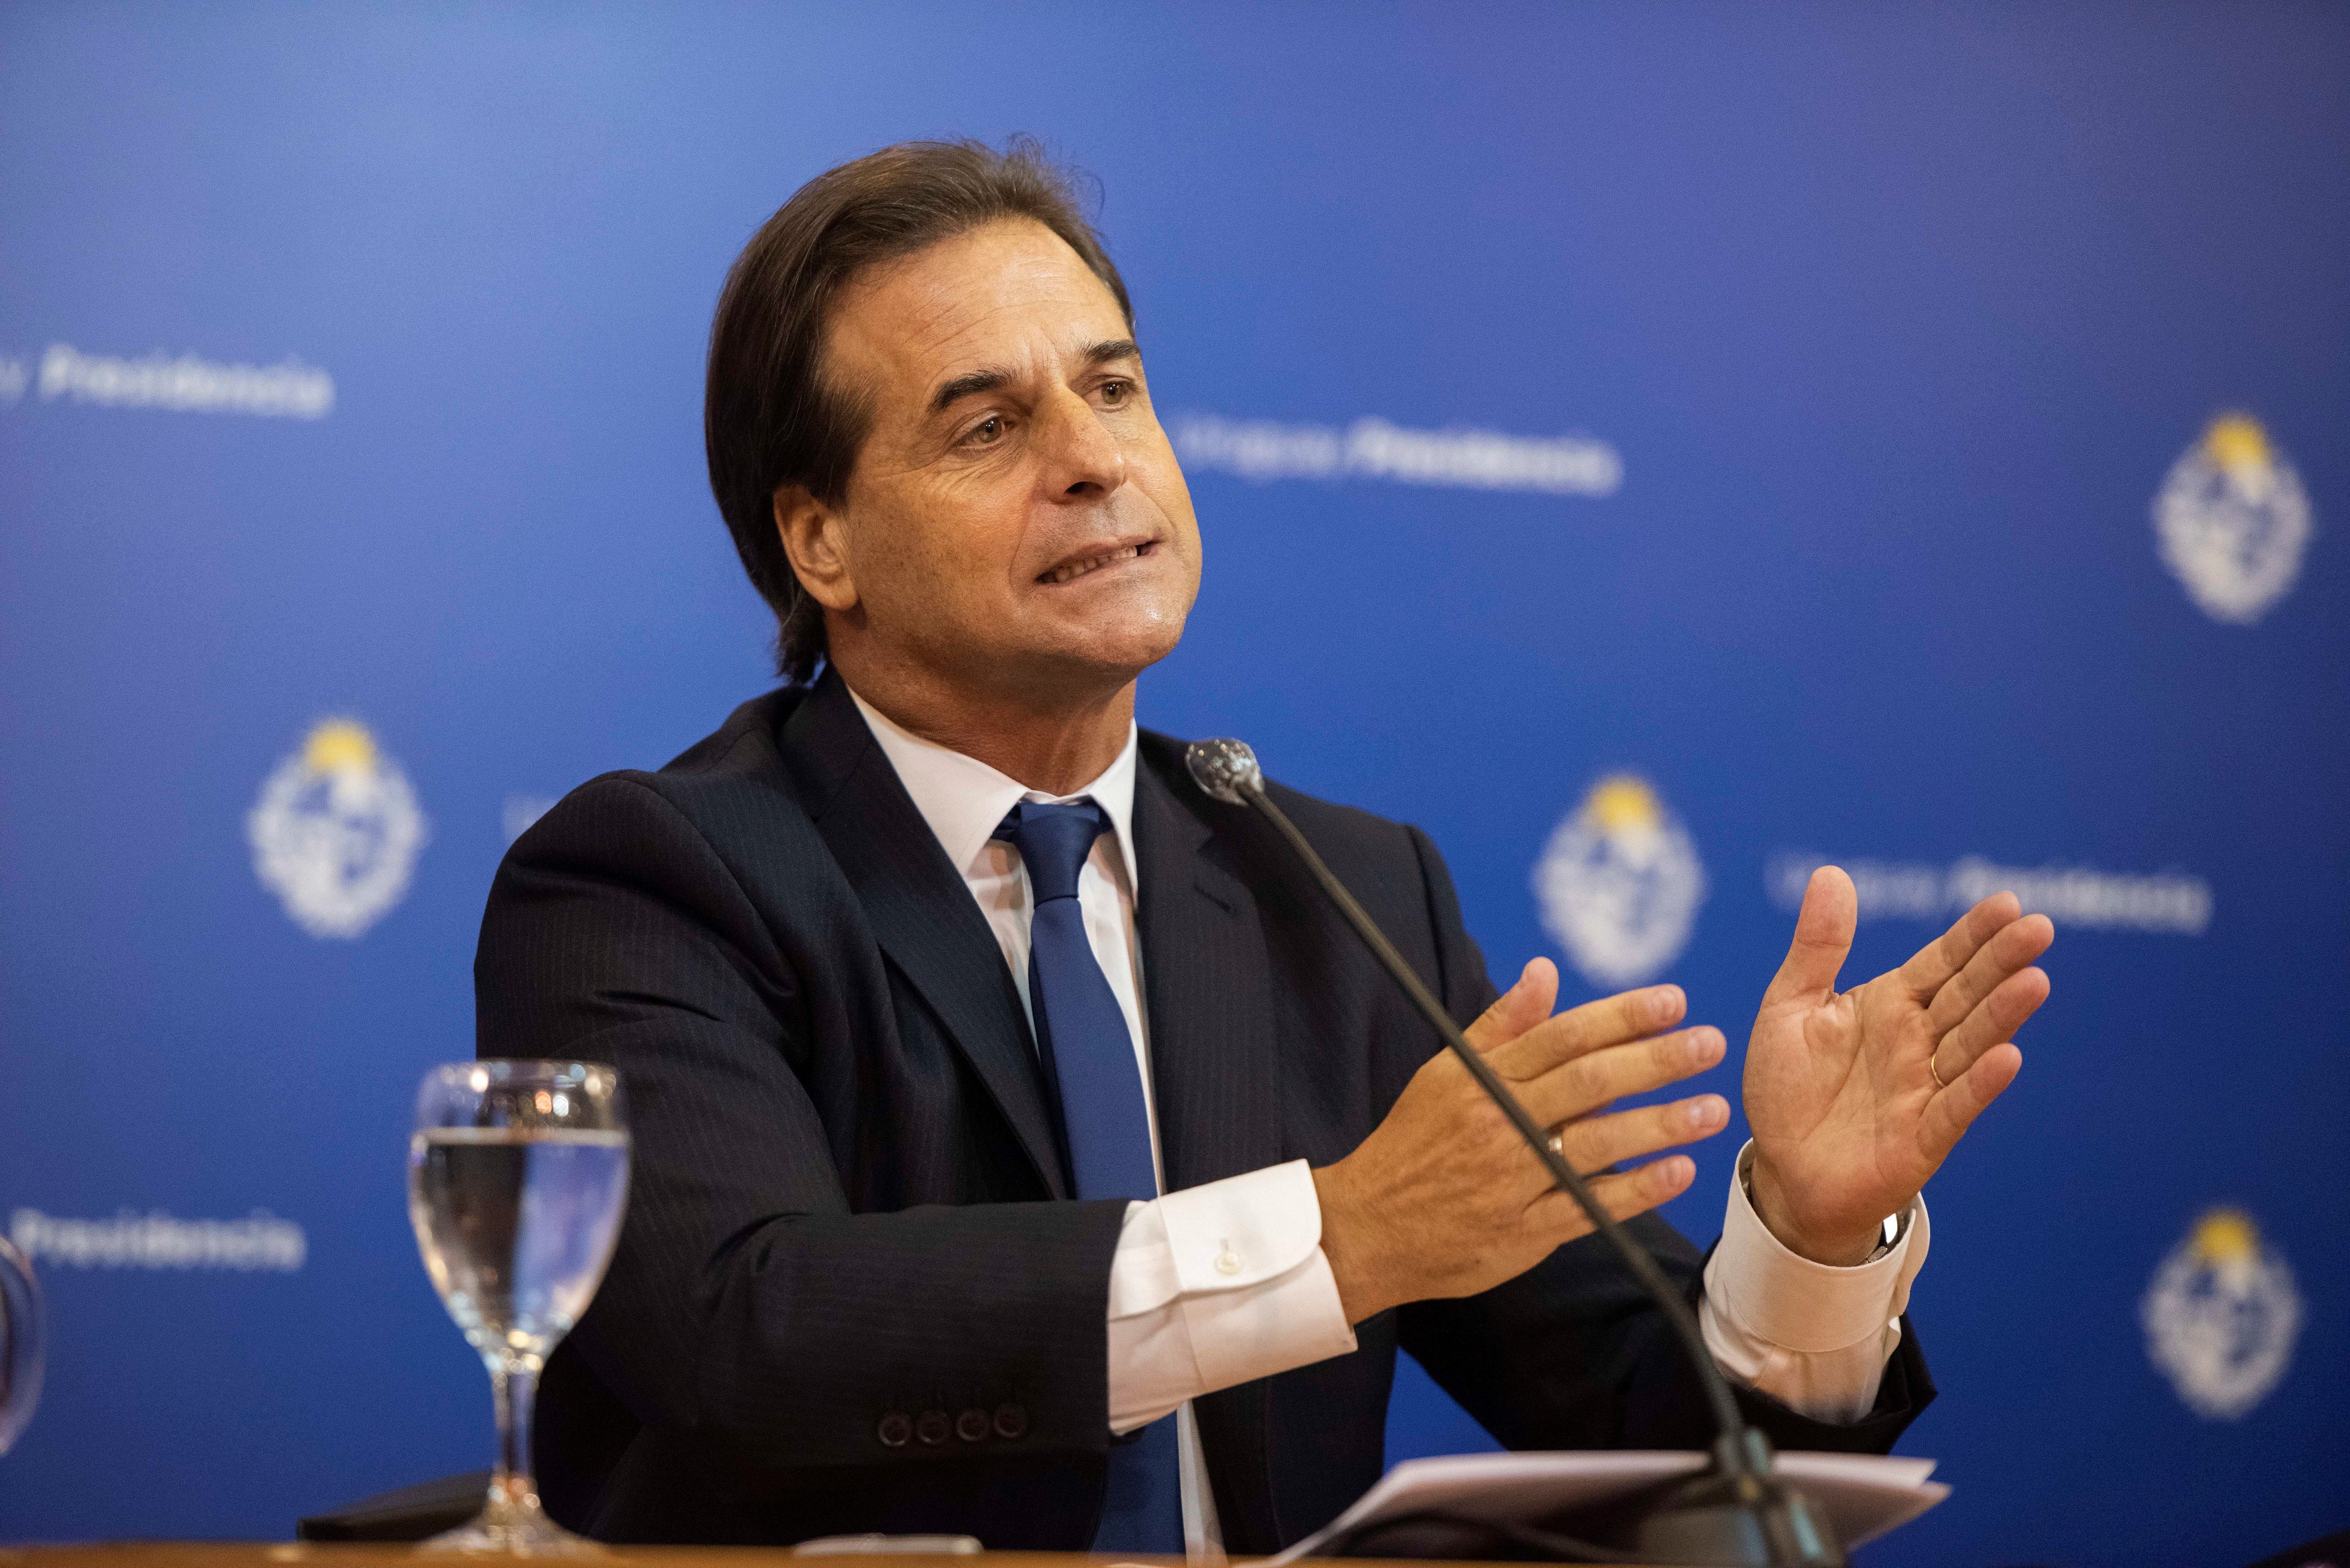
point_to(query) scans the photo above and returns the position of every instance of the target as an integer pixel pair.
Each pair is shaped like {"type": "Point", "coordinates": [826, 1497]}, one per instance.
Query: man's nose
{"type": "Point", "coordinates": [1083, 458]}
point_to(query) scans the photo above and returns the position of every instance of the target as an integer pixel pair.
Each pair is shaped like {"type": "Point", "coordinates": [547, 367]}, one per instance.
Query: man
{"type": "Point", "coordinates": [1023, 1147]}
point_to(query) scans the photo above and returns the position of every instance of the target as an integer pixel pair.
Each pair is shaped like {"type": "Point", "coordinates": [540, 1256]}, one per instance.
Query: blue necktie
{"type": "Point", "coordinates": [1088, 1057]}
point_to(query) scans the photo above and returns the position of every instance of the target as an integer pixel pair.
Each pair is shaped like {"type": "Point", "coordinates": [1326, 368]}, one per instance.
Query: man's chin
{"type": "Point", "coordinates": [1116, 631]}
{"type": "Point", "coordinates": [1089, 658]}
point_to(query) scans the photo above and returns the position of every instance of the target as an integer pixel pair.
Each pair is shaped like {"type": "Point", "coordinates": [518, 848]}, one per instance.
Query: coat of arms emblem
{"type": "Point", "coordinates": [2222, 1316]}
{"type": "Point", "coordinates": [2232, 521]}
{"type": "Point", "coordinates": [337, 831]}
{"type": "Point", "coordinates": [1619, 883]}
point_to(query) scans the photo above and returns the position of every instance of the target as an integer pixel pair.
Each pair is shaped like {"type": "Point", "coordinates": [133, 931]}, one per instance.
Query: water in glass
{"type": "Point", "coordinates": [518, 1175]}
{"type": "Point", "coordinates": [517, 1225]}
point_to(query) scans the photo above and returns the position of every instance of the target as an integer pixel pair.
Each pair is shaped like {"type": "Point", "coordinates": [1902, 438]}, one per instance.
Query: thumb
{"type": "Point", "coordinates": [1824, 928]}
{"type": "Point", "coordinates": [1518, 1008]}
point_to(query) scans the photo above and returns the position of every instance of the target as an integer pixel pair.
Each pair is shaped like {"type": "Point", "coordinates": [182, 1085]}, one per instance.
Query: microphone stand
{"type": "Point", "coordinates": [1737, 1511]}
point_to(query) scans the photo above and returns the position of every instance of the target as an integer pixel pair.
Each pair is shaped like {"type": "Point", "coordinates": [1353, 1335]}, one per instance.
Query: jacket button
{"type": "Point", "coordinates": [894, 1430]}
{"type": "Point", "coordinates": [1011, 1421]}
{"type": "Point", "coordinates": [933, 1427]}
{"type": "Point", "coordinates": [972, 1426]}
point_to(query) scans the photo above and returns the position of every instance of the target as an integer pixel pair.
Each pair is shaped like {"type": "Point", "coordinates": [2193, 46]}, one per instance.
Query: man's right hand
{"type": "Point", "coordinates": [1444, 1199]}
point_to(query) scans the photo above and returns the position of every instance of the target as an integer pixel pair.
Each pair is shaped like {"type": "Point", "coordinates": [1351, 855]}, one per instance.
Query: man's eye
{"type": "Point", "coordinates": [1116, 392]}
{"type": "Point", "coordinates": [987, 432]}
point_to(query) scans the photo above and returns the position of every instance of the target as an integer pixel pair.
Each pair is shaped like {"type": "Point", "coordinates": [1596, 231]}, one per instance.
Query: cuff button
{"type": "Point", "coordinates": [893, 1431]}
{"type": "Point", "coordinates": [933, 1427]}
{"type": "Point", "coordinates": [972, 1426]}
{"type": "Point", "coordinates": [1011, 1421]}
{"type": "Point", "coordinates": [1228, 1262]}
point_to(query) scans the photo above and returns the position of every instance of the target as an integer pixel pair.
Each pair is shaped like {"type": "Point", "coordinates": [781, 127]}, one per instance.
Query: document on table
{"type": "Point", "coordinates": [1863, 1495]}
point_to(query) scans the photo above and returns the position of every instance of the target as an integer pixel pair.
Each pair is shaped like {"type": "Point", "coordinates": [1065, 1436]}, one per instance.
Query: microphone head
{"type": "Point", "coordinates": [1226, 769]}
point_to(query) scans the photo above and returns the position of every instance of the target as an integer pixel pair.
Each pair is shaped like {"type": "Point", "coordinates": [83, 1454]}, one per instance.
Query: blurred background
{"type": "Point", "coordinates": [1656, 447]}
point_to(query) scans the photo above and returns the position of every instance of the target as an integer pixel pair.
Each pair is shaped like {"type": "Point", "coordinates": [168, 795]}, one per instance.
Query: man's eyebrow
{"type": "Point", "coordinates": [965, 386]}
{"type": "Point", "coordinates": [973, 382]}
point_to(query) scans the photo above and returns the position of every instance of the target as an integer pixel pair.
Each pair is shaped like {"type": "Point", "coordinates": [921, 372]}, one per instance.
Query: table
{"type": "Point", "coordinates": [270, 1554]}
{"type": "Point", "coordinates": [280, 1554]}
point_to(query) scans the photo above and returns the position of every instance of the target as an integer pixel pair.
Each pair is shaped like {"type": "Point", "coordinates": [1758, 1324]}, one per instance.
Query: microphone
{"type": "Point", "coordinates": [1738, 1512]}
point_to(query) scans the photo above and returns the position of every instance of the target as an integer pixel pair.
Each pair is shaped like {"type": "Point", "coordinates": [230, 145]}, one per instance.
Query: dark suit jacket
{"type": "Point", "coordinates": [852, 1291]}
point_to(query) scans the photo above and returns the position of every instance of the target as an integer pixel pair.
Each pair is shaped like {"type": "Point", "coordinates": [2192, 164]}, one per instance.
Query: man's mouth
{"type": "Point", "coordinates": [1070, 571]}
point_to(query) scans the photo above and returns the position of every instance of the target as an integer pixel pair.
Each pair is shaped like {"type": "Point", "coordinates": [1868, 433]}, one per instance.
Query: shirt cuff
{"type": "Point", "coordinates": [1216, 1285]}
{"type": "Point", "coordinates": [1790, 1302]}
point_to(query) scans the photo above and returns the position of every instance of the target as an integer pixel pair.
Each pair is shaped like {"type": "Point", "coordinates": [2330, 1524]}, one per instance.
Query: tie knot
{"type": "Point", "coordinates": [1054, 841]}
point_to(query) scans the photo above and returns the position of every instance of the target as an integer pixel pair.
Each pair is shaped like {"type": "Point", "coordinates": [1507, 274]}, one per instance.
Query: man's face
{"type": "Point", "coordinates": [1015, 517]}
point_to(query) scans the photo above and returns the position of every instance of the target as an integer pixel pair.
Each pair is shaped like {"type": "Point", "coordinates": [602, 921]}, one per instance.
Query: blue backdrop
{"type": "Point", "coordinates": [1906, 436]}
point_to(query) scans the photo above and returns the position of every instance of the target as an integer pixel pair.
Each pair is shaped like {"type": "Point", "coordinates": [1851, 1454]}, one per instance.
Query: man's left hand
{"type": "Point", "coordinates": [1842, 1090]}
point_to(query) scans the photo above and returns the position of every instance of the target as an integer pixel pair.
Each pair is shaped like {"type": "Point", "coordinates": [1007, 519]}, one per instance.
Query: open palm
{"type": "Point", "coordinates": [1856, 1098]}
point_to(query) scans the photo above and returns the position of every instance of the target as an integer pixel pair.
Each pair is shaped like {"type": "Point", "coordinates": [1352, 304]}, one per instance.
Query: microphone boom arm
{"type": "Point", "coordinates": [1635, 1257]}
{"type": "Point", "coordinates": [1741, 1513]}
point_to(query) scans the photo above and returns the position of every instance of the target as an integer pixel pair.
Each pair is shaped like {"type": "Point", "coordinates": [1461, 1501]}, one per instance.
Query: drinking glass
{"type": "Point", "coordinates": [518, 1176]}
{"type": "Point", "coordinates": [20, 1341]}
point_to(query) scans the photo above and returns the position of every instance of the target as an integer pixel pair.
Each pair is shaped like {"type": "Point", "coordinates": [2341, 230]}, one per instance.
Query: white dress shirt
{"type": "Point", "coordinates": [1218, 1284]}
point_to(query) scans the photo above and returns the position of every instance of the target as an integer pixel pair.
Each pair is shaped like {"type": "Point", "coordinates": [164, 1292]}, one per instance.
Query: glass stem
{"type": "Point", "coordinates": [515, 1389]}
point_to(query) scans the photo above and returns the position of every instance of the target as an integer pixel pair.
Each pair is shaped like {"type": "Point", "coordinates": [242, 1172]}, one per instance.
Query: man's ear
{"type": "Point", "coordinates": [816, 544]}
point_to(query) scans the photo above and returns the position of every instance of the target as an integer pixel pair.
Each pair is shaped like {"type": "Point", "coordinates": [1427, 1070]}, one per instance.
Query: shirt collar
{"type": "Point", "coordinates": [964, 800]}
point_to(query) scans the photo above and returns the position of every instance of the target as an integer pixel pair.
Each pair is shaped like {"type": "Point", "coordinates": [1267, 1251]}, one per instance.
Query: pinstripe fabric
{"type": "Point", "coordinates": [845, 1205]}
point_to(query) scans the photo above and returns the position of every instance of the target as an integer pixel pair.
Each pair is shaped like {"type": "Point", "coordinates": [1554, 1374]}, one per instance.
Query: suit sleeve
{"type": "Point", "coordinates": [747, 1304]}
{"type": "Point", "coordinates": [1572, 1354]}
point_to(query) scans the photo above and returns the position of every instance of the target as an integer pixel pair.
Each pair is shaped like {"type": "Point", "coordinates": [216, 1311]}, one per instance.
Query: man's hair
{"type": "Point", "coordinates": [770, 417]}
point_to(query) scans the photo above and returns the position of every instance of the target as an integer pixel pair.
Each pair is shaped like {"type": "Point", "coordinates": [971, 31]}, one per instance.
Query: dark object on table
{"type": "Point", "coordinates": [2322, 1552]}
{"type": "Point", "coordinates": [412, 1513]}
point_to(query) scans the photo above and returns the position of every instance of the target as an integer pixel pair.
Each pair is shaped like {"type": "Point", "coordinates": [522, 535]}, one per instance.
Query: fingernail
{"type": "Point", "coordinates": [1678, 1171]}
{"type": "Point", "coordinates": [1705, 1046]}
{"type": "Point", "coordinates": [1667, 1002]}
{"type": "Point", "coordinates": [1706, 1110]}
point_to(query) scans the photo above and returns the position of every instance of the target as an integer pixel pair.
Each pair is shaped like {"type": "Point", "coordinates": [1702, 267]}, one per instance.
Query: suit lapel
{"type": "Point", "coordinates": [1215, 1074]}
{"type": "Point", "coordinates": [919, 908]}
{"type": "Point", "coordinates": [1215, 1071]}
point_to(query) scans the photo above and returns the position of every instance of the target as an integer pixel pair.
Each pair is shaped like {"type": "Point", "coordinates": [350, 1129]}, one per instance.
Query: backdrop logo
{"type": "Point", "coordinates": [2232, 521]}
{"type": "Point", "coordinates": [261, 1242]}
{"type": "Point", "coordinates": [2075, 897]}
{"type": "Point", "coordinates": [2222, 1317]}
{"type": "Point", "coordinates": [1619, 883]}
{"type": "Point", "coordinates": [1374, 449]}
{"type": "Point", "coordinates": [337, 832]}
{"type": "Point", "coordinates": [185, 383]}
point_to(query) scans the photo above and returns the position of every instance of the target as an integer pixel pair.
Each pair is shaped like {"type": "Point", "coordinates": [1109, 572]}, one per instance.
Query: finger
{"type": "Point", "coordinates": [1993, 1023]}
{"type": "Point", "coordinates": [1937, 960]}
{"type": "Point", "coordinates": [1953, 1110]}
{"type": "Point", "coordinates": [1622, 1193]}
{"type": "Point", "coordinates": [1824, 928]}
{"type": "Point", "coordinates": [1518, 1008]}
{"type": "Point", "coordinates": [1579, 1087]}
{"type": "Point", "coordinates": [1610, 1020]}
{"type": "Point", "coordinates": [2009, 948]}
{"type": "Point", "coordinates": [1595, 1143]}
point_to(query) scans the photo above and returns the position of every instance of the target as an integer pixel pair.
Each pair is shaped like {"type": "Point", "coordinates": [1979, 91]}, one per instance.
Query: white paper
{"type": "Point", "coordinates": [1863, 1495]}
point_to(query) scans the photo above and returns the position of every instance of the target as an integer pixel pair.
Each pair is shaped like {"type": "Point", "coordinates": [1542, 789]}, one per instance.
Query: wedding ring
{"type": "Point", "coordinates": [1937, 1072]}
{"type": "Point", "coordinates": [1558, 1145]}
